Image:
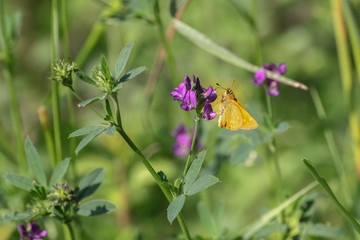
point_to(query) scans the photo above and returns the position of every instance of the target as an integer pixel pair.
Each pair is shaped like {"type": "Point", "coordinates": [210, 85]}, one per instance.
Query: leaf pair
{"type": "Point", "coordinates": [37, 168]}
{"type": "Point", "coordinates": [192, 185]}
{"type": "Point", "coordinates": [92, 132]}
{"type": "Point", "coordinates": [86, 187]}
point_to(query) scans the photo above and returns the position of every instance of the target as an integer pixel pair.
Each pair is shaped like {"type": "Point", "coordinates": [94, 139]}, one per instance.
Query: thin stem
{"type": "Point", "coordinates": [94, 36]}
{"type": "Point", "coordinates": [170, 58]}
{"type": "Point", "coordinates": [190, 157]}
{"type": "Point", "coordinates": [71, 230]}
{"type": "Point", "coordinates": [55, 90]}
{"type": "Point", "coordinates": [44, 120]}
{"type": "Point", "coordinates": [156, 177]}
{"type": "Point", "coordinates": [9, 76]}
{"type": "Point", "coordinates": [65, 29]}
{"type": "Point", "coordinates": [118, 115]}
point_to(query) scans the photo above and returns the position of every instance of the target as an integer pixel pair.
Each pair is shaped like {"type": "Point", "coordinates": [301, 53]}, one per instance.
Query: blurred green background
{"type": "Point", "coordinates": [297, 32]}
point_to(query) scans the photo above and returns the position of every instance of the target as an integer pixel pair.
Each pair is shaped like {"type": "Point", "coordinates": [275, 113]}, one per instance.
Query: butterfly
{"type": "Point", "coordinates": [232, 114]}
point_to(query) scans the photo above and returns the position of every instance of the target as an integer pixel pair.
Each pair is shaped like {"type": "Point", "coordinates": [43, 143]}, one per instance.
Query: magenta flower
{"type": "Point", "coordinates": [31, 231]}
{"type": "Point", "coordinates": [271, 84]}
{"type": "Point", "coordinates": [194, 96]}
{"type": "Point", "coordinates": [182, 146]}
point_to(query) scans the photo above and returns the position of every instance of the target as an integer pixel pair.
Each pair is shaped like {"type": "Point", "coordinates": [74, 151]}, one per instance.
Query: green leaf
{"type": "Point", "coordinates": [194, 170]}
{"type": "Point", "coordinates": [89, 183]}
{"type": "Point", "coordinates": [59, 172]}
{"type": "Point", "coordinates": [175, 207]}
{"type": "Point", "coordinates": [92, 100]}
{"type": "Point", "coordinates": [20, 181]}
{"type": "Point", "coordinates": [110, 131]}
{"type": "Point", "coordinates": [86, 140]}
{"type": "Point", "coordinates": [86, 130]}
{"type": "Point", "coordinates": [269, 229]}
{"type": "Point", "coordinates": [131, 74]}
{"type": "Point", "coordinates": [323, 231]}
{"type": "Point", "coordinates": [14, 216]}
{"type": "Point", "coordinates": [201, 183]}
{"type": "Point", "coordinates": [84, 77]}
{"type": "Point", "coordinates": [123, 58]}
{"type": "Point", "coordinates": [328, 190]}
{"type": "Point", "coordinates": [208, 45]}
{"type": "Point", "coordinates": [95, 208]}
{"type": "Point", "coordinates": [207, 219]}
{"type": "Point", "coordinates": [259, 223]}
{"type": "Point", "coordinates": [282, 127]}
{"type": "Point", "coordinates": [34, 162]}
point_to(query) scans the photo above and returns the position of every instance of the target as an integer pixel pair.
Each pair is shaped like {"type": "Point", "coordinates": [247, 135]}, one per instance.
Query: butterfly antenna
{"type": "Point", "coordinates": [220, 86]}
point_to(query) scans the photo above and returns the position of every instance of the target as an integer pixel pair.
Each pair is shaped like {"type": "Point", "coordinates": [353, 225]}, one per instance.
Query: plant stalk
{"type": "Point", "coordinates": [190, 156]}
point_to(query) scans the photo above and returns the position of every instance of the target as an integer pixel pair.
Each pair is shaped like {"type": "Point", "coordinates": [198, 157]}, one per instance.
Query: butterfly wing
{"type": "Point", "coordinates": [249, 121]}
{"type": "Point", "coordinates": [231, 116]}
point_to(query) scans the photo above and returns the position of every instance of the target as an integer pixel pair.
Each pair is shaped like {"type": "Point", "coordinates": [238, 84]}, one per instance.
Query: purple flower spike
{"type": "Point", "coordinates": [31, 231]}
{"type": "Point", "coordinates": [194, 96]}
{"type": "Point", "coordinates": [259, 77]}
{"type": "Point", "coordinates": [272, 87]}
{"type": "Point", "coordinates": [208, 113]}
{"type": "Point", "coordinates": [271, 84]}
{"type": "Point", "coordinates": [182, 145]}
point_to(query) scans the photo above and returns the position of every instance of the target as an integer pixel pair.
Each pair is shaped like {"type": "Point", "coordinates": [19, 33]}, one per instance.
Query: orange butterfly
{"type": "Point", "coordinates": [232, 114]}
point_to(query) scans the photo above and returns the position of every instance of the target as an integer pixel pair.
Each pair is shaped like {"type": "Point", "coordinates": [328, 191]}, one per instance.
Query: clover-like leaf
{"type": "Point", "coordinates": [34, 162]}
{"type": "Point", "coordinates": [95, 208]}
{"type": "Point", "coordinates": [175, 207]}
{"type": "Point", "coordinates": [59, 172]}
{"type": "Point", "coordinates": [20, 181]}
{"type": "Point", "coordinates": [122, 59]}
{"type": "Point", "coordinates": [90, 183]}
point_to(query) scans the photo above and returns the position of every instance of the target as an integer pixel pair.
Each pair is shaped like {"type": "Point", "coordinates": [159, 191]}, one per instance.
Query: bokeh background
{"type": "Point", "coordinates": [299, 33]}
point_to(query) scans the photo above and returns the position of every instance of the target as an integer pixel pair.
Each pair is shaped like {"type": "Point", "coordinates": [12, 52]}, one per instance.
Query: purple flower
{"type": "Point", "coordinates": [271, 84]}
{"type": "Point", "coordinates": [194, 96]}
{"type": "Point", "coordinates": [182, 146]}
{"type": "Point", "coordinates": [31, 231]}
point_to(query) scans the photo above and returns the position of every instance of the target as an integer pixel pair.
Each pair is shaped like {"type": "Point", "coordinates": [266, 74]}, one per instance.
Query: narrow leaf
{"type": "Point", "coordinates": [86, 140]}
{"type": "Point", "coordinates": [202, 183]}
{"type": "Point", "coordinates": [132, 73]}
{"type": "Point", "coordinates": [19, 181]}
{"type": "Point", "coordinates": [92, 100]}
{"type": "Point", "coordinates": [90, 183]}
{"type": "Point", "coordinates": [34, 162]}
{"type": "Point", "coordinates": [84, 77]}
{"type": "Point", "coordinates": [208, 45]}
{"type": "Point", "coordinates": [282, 127]}
{"type": "Point", "coordinates": [323, 231]}
{"type": "Point", "coordinates": [259, 223]}
{"type": "Point", "coordinates": [14, 216]}
{"type": "Point", "coordinates": [59, 172]}
{"type": "Point", "coordinates": [95, 208]}
{"type": "Point", "coordinates": [86, 130]}
{"type": "Point", "coordinates": [123, 58]}
{"type": "Point", "coordinates": [328, 190]}
{"type": "Point", "coordinates": [194, 170]}
{"type": "Point", "coordinates": [175, 207]}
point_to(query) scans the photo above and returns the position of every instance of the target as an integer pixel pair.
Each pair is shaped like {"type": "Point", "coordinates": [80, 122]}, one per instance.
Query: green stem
{"type": "Point", "coordinates": [156, 177]}
{"type": "Point", "coordinates": [118, 115]}
{"type": "Point", "coordinates": [90, 107]}
{"type": "Point", "coordinates": [94, 36]}
{"type": "Point", "coordinates": [55, 90]}
{"type": "Point", "coordinates": [9, 76]}
{"type": "Point", "coordinates": [65, 29]}
{"type": "Point", "coordinates": [71, 230]}
{"type": "Point", "coordinates": [170, 58]}
{"type": "Point", "coordinates": [190, 158]}
{"type": "Point", "coordinates": [328, 190]}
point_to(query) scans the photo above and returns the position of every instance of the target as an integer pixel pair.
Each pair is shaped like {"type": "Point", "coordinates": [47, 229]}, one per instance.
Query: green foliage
{"type": "Point", "coordinates": [59, 172]}
{"type": "Point", "coordinates": [89, 183]}
{"type": "Point", "coordinates": [175, 207]}
{"type": "Point", "coordinates": [20, 181]}
{"type": "Point", "coordinates": [34, 162]}
{"type": "Point", "coordinates": [122, 59]}
{"type": "Point", "coordinates": [95, 208]}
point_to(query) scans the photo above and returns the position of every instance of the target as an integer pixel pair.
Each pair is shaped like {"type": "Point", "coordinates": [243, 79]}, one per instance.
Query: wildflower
{"type": "Point", "coordinates": [183, 138]}
{"type": "Point", "coordinates": [62, 72]}
{"type": "Point", "coordinates": [31, 231]}
{"type": "Point", "coordinates": [194, 96]}
{"type": "Point", "coordinates": [62, 194]}
{"type": "Point", "coordinates": [271, 84]}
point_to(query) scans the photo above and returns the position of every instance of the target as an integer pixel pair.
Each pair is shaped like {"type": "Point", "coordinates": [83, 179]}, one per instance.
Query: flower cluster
{"type": "Point", "coordinates": [103, 80]}
{"type": "Point", "coordinates": [194, 96]}
{"type": "Point", "coordinates": [31, 231]}
{"type": "Point", "coordinates": [271, 84]}
{"type": "Point", "coordinates": [62, 194]}
{"type": "Point", "coordinates": [183, 138]}
{"type": "Point", "coordinates": [62, 72]}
